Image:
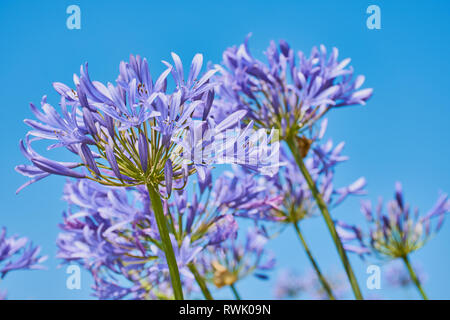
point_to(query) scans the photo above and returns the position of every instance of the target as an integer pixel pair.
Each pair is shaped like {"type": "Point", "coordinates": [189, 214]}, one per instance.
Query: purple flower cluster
{"type": "Point", "coordinates": [289, 92]}
{"type": "Point", "coordinates": [112, 232]}
{"type": "Point", "coordinates": [137, 141]}
{"type": "Point", "coordinates": [18, 254]}
{"type": "Point", "coordinates": [135, 132]}
{"type": "Point", "coordinates": [394, 234]}
{"type": "Point", "coordinates": [400, 232]}
{"type": "Point", "coordinates": [292, 200]}
{"type": "Point", "coordinates": [246, 195]}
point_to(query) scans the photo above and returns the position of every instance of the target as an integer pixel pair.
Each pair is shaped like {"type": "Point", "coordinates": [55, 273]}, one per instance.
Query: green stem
{"type": "Point", "coordinates": [235, 292]}
{"type": "Point", "coordinates": [166, 243]}
{"type": "Point", "coordinates": [322, 279]}
{"type": "Point", "coordinates": [327, 217]}
{"type": "Point", "coordinates": [414, 278]}
{"type": "Point", "coordinates": [201, 282]}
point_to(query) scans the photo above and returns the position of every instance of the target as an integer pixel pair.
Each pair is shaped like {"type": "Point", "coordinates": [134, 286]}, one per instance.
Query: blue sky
{"type": "Point", "coordinates": [402, 134]}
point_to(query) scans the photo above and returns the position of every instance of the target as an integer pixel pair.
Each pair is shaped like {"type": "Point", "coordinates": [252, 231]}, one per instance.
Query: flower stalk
{"type": "Point", "coordinates": [326, 215]}
{"type": "Point", "coordinates": [414, 277]}
{"type": "Point", "coordinates": [166, 243]}
{"type": "Point", "coordinates": [201, 282]}
{"type": "Point", "coordinates": [235, 292]}
{"type": "Point", "coordinates": [320, 276]}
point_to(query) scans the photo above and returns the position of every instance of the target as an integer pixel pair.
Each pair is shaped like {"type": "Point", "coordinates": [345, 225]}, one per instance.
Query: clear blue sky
{"type": "Point", "coordinates": [402, 134]}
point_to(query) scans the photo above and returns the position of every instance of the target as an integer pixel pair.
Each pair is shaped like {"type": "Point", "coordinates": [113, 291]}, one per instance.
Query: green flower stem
{"type": "Point", "coordinates": [166, 243]}
{"type": "Point", "coordinates": [327, 217]}
{"type": "Point", "coordinates": [414, 278]}
{"type": "Point", "coordinates": [201, 282]}
{"type": "Point", "coordinates": [322, 279]}
{"type": "Point", "coordinates": [235, 292]}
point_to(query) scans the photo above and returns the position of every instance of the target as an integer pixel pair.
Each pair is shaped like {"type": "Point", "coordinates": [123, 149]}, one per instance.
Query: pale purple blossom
{"type": "Point", "coordinates": [18, 254]}
{"type": "Point", "coordinates": [112, 233]}
{"type": "Point", "coordinates": [185, 252]}
{"type": "Point", "coordinates": [401, 230]}
{"type": "Point", "coordinates": [287, 195]}
{"type": "Point", "coordinates": [290, 91]}
{"type": "Point", "coordinates": [134, 132]}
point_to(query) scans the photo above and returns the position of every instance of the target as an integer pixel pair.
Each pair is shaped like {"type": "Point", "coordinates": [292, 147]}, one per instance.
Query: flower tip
{"type": "Point", "coordinates": [169, 66]}
{"type": "Point", "coordinates": [22, 186]}
{"type": "Point", "coordinates": [369, 93]}
{"type": "Point", "coordinates": [17, 168]}
{"type": "Point", "coordinates": [176, 58]}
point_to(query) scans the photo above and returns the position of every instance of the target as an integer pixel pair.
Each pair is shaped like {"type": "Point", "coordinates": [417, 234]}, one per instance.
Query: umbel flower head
{"type": "Point", "coordinates": [286, 194]}
{"type": "Point", "coordinates": [298, 201]}
{"type": "Point", "coordinates": [18, 254]}
{"type": "Point", "coordinates": [112, 232]}
{"type": "Point", "coordinates": [135, 132]}
{"type": "Point", "coordinates": [400, 232]}
{"type": "Point", "coordinates": [291, 91]}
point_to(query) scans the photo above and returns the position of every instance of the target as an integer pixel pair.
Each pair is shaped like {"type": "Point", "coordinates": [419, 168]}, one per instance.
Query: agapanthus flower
{"type": "Point", "coordinates": [89, 233]}
{"type": "Point", "coordinates": [200, 217]}
{"type": "Point", "coordinates": [296, 200]}
{"type": "Point", "coordinates": [18, 254]}
{"type": "Point", "coordinates": [112, 232]}
{"type": "Point", "coordinates": [184, 253]}
{"type": "Point", "coordinates": [352, 238]}
{"type": "Point", "coordinates": [286, 197]}
{"type": "Point", "coordinates": [106, 289]}
{"type": "Point", "coordinates": [192, 86]}
{"type": "Point", "coordinates": [208, 213]}
{"type": "Point", "coordinates": [134, 132]}
{"type": "Point", "coordinates": [290, 197]}
{"type": "Point", "coordinates": [245, 195]}
{"type": "Point", "coordinates": [399, 232]}
{"type": "Point", "coordinates": [289, 92]}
